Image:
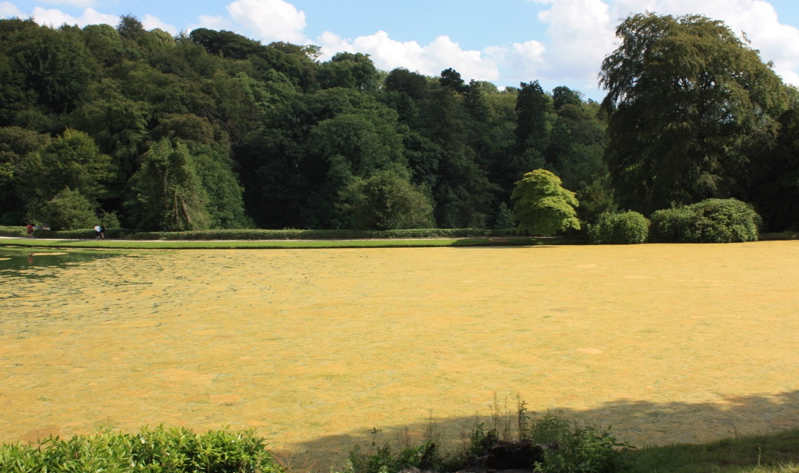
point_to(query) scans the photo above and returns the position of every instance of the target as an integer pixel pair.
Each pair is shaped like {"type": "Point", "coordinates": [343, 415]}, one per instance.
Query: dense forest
{"type": "Point", "coordinates": [211, 129]}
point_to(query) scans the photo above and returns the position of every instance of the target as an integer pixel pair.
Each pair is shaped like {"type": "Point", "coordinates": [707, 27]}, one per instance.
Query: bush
{"type": "Point", "coordinates": [387, 201]}
{"type": "Point", "coordinates": [156, 450]}
{"type": "Point", "coordinates": [547, 444]}
{"type": "Point", "coordinates": [69, 210]}
{"type": "Point", "coordinates": [619, 229]}
{"type": "Point", "coordinates": [385, 459]}
{"type": "Point", "coordinates": [585, 450]}
{"type": "Point", "coordinates": [709, 221]}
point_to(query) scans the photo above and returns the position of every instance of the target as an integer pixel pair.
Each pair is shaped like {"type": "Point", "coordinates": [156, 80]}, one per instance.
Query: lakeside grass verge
{"type": "Point", "coordinates": [267, 244]}
{"type": "Point", "coordinates": [772, 453]}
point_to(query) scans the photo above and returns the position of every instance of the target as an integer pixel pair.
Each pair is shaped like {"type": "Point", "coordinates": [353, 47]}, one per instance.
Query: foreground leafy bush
{"type": "Point", "coordinates": [558, 445]}
{"type": "Point", "coordinates": [709, 221]}
{"type": "Point", "coordinates": [585, 450]}
{"type": "Point", "coordinates": [159, 450]}
{"type": "Point", "coordinates": [619, 229]}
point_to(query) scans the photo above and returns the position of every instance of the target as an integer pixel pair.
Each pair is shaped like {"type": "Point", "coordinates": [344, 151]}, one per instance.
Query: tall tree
{"type": "Point", "coordinates": [73, 161]}
{"type": "Point", "coordinates": [169, 195]}
{"type": "Point", "coordinates": [15, 144]}
{"type": "Point", "coordinates": [688, 102]}
{"type": "Point", "coordinates": [354, 71]}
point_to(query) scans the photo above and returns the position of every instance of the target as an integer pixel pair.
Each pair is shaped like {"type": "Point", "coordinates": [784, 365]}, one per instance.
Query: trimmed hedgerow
{"type": "Point", "coordinates": [709, 221]}
{"type": "Point", "coordinates": [151, 450]}
{"type": "Point", "coordinates": [624, 228]}
{"type": "Point", "coordinates": [251, 234]}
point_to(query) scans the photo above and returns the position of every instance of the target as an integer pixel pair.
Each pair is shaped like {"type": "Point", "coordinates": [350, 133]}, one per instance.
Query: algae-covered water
{"type": "Point", "coordinates": [313, 348]}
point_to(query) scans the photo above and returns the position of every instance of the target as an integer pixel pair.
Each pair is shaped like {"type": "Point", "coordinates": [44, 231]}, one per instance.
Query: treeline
{"type": "Point", "coordinates": [213, 130]}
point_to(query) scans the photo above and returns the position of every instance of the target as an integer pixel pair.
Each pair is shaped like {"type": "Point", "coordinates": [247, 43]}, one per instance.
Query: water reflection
{"type": "Point", "coordinates": [38, 262]}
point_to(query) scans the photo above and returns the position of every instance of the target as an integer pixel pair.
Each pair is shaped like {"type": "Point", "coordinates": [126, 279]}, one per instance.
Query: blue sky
{"type": "Point", "coordinates": [558, 42]}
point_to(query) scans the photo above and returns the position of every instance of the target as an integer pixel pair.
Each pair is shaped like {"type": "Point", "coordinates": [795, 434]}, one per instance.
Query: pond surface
{"type": "Point", "coordinates": [40, 262]}
{"type": "Point", "coordinates": [314, 348]}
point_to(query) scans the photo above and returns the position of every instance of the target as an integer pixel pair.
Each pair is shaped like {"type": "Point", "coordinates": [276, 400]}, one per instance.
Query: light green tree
{"type": "Point", "coordinates": [542, 206]}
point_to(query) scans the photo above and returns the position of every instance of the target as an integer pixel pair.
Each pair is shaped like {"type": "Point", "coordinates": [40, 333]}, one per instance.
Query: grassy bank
{"type": "Point", "coordinates": [262, 234]}
{"type": "Point", "coordinates": [266, 244]}
{"type": "Point", "coordinates": [774, 453]}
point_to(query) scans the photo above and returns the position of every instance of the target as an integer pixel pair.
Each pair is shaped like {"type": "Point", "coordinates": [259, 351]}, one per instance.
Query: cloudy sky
{"type": "Point", "coordinates": [558, 42]}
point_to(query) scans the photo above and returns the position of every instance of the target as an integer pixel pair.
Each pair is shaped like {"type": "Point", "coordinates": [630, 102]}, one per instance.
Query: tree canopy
{"type": "Point", "coordinates": [542, 206]}
{"type": "Point", "coordinates": [242, 133]}
{"type": "Point", "coordinates": [689, 102]}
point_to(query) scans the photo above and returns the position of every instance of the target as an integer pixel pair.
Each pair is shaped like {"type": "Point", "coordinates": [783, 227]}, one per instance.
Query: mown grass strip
{"type": "Point", "coordinates": [262, 244]}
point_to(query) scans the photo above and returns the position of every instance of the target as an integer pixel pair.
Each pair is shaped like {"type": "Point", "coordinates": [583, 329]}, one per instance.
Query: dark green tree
{"type": "Point", "coordinates": [225, 203]}
{"type": "Point", "coordinates": [56, 65]}
{"type": "Point", "coordinates": [386, 201]}
{"type": "Point", "coordinates": [169, 195]}
{"type": "Point", "coordinates": [353, 71]}
{"type": "Point", "coordinates": [72, 161]}
{"type": "Point", "coordinates": [67, 210]}
{"type": "Point", "coordinates": [451, 79]}
{"type": "Point", "coordinates": [689, 102]}
{"type": "Point", "coordinates": [15, 144]}
{"type": "Point", "coordinates": [565, 96]}
{"type": "Point", "coordinates": [774, 181]}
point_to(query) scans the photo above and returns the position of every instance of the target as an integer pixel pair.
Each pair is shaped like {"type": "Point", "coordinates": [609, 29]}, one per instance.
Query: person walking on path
{"type": "Point", "coordinates": [98, 230]}
{"type": "Point", "coordinates": [30, 230]}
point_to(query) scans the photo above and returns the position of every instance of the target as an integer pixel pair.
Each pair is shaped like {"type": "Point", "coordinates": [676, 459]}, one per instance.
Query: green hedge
{"type": "Point", "coordinates": [159, 450]}
{"type": "Point", "coordinates": [619, 229]}
{"type": "Point", "coordinates": [15, 232]}
{"type": "Point", "coordinates": [126, 234]}
{"type": "Point", "coordinates": [709, 221]}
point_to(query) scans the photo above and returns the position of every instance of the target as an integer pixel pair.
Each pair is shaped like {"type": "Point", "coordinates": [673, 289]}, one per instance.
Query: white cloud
{"type": "Point", "coordinates": [213, 23]}
{"type": "Point", "coordinates": [440, 54]}
{"type": "Point", "coordinates": [270, 20]}
{"type": "Point", "coordinates": [581, 33]}
{"type": "Point", "coordinates": [9, 10]}
{"type": "Point", "coordinates": [151, 22]}
{"type": "Point", "coordinates": [56, 18]}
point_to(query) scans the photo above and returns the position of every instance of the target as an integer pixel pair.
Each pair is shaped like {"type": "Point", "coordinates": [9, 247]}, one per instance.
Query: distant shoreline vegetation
{"type": "Point", "coordinates": [124, 127]}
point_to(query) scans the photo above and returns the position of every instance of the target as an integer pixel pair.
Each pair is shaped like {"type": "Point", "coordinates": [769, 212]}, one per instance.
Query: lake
{"type": "Point", "coordinates": [314, 348]}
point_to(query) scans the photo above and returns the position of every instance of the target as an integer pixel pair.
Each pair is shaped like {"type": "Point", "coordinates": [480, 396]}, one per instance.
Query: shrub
{"type": "Point", "coordinates": [503, 220]}
{"type": "Point", "coordinates": [156, 450]}
{"type": "Point", "coordinates": [69, 210]}
{"type": "Point", "coordinates": [709, 221]}
{"type": "Point", "coordinates": [619, 229]}
{"type": "Point", "coordinates": [585, 450]}
{"type": "Point", "coordinates": [387, 201]}
{"type": "Point", "coordinates": [385, 459]}
{"type": "Point", "coordinates": [673, 226]}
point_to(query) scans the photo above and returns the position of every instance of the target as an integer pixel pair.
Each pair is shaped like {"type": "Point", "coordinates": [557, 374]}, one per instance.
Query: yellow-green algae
{"type": "Point", "coordinates": [668, 343]}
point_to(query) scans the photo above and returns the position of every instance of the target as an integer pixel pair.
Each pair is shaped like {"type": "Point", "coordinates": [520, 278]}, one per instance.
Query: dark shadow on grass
{"type": "Point", "coordinates": [639, 423]}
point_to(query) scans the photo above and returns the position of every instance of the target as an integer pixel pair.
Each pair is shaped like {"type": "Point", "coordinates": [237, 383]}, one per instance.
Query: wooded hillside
{"type": "Point", "coordinates": [214, 130]}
